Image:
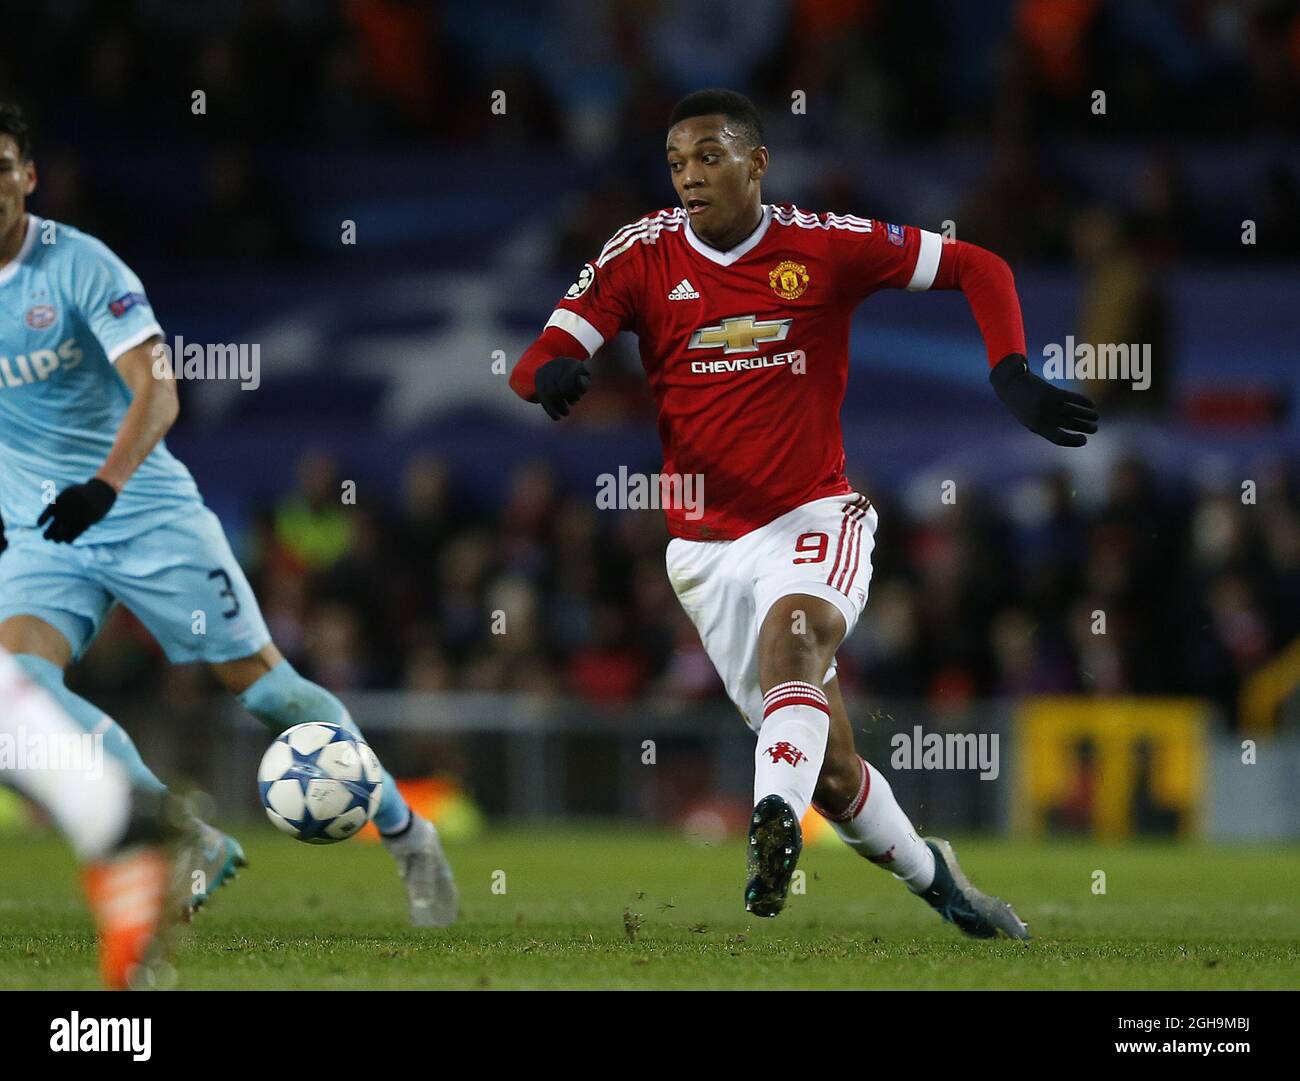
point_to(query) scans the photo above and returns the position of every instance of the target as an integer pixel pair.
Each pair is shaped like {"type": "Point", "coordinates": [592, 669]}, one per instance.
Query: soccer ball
{"type": "Point", "coordinates": [319, 782]}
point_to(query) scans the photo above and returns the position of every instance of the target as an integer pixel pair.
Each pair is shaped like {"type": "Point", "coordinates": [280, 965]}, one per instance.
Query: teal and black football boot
{"type": "Point", "coordinates": [775, 841]}
{"type": "Point", "coordinates": [213, 858]}
{"type": "Point", "coordinates": [957, 901]}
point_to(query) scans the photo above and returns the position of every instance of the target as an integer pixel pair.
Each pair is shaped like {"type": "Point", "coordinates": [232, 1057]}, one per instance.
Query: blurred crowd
{"type": "Point", "coordinates": [1149, 591]}
{"type": "Point", "coordinates": [596, 80]}
{"type": "Point", "coordinates": [582, 69]}
{"type": "Point", "coordinates": [991, 101]}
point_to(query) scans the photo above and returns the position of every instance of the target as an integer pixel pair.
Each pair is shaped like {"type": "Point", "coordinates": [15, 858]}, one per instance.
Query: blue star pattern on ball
{"type": "Point", "coordinates": [319, 782]}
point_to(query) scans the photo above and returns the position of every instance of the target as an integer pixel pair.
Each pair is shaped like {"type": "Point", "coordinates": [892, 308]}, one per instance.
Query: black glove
{"type": "Point", "coordinates": [560, 383]}
{"type": "Point", "coordinates": [1052, 412]}
{"type": "Point", "coordinates": [77, 509]}
{"type": "Point", "coordinates": [3, 543]}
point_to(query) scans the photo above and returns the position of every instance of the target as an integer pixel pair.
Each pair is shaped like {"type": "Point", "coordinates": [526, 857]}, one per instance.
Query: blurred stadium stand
{"type": "Point", "coordinates": [377, 357]}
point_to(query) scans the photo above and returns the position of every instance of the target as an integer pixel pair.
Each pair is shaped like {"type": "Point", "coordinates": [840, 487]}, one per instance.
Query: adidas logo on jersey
{"type": "Point", "coordinates": [684, 290]}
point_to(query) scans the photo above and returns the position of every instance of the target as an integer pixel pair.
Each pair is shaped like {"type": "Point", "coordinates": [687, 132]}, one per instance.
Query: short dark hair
{"type": "Point", "coordinates": [14, 124]}
{"type": "Point", "coordinates": [738, 109]}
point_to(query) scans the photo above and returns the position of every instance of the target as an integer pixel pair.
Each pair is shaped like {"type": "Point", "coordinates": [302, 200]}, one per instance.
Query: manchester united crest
{"type": "Point", "coordinates": [788, 279]}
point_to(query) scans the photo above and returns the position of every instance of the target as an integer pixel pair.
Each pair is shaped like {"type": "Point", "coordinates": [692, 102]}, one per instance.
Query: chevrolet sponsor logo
{"type": "Point", "coordinates": [797, 362]}
{"type": "Point", "coordinates": [740, 334]}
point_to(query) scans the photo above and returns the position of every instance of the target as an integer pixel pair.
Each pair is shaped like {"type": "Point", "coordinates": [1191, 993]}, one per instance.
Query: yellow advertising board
{"type": "Point", "coordinates": [1109, 767]}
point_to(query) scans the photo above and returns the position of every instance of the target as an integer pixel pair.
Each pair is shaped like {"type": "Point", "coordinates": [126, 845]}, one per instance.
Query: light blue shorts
{"type": "Point", "coordinates": [180, 579]}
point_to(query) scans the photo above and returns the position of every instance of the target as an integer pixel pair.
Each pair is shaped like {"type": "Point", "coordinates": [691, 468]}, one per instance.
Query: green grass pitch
{"type": "Point", "coordinates": [626, 908]}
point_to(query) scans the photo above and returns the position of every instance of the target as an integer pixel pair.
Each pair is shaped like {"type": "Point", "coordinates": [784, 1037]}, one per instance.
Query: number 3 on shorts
{"type": "Point", "coordinates": [813, 547]}
{"type": "Point", "coordinates": [227, 591]}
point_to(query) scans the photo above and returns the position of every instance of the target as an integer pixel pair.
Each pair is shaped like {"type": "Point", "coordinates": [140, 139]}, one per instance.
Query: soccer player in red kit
{"type": "Point", "coordinates": [742, 310]}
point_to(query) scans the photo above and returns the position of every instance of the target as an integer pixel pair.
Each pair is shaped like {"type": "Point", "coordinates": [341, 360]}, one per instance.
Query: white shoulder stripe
{"type": "Point", "coordinates": [806, 220]}
{"type": "Point", "coordinates": [631, 238]}
{"type": "Point", "coordinates": [927, 261]}
{"type": "Point", "coordinates": [651, 223]}
{"type": "Point", "coordinates": [588, 336]}
{"type": "Point", "coordinates": [641, 223]}
{"type": "Point", "coordinates": [622, 234]}
{"type": "Point", "coordinates": [647, 235]}
{"type": "Point", "coordinates": [610, 253]}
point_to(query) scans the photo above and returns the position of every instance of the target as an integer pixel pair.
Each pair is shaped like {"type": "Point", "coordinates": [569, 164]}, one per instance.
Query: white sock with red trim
{"type": "Point", "coordinates": [875, 827]}
{"type": "Point", "coordinates": [791, 743]}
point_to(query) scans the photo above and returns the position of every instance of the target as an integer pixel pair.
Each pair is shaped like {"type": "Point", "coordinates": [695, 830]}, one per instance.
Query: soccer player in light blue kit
{"type": "Point", "coordinates": [97, 511]}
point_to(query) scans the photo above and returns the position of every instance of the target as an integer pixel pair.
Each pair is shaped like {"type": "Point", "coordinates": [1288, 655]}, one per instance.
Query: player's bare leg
{"type": "Point", "coordinates": [860, 805]}
{"type": "Point", "coordinates": [271, 690]}
{"type": "Point", "coordinates": [43, 653]}
{"type": "Point", "coordinates": [797, 644]}
{"type": "Point", "coordinates": [29, 634]}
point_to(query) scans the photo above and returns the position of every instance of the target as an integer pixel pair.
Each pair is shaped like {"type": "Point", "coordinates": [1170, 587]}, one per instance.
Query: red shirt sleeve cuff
{"type": "Point", "coordinates": [553, 343]}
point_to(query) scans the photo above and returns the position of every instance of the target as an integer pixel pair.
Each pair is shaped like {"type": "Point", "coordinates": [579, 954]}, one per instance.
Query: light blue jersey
{"type": "Point", "coordinates": [69, 308]}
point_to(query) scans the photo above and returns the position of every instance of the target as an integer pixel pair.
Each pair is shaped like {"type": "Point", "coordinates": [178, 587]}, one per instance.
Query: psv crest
{"type": "Point", "coordinates": [41, 316]}
{"type": "Point", "coordinates": [788, 279]}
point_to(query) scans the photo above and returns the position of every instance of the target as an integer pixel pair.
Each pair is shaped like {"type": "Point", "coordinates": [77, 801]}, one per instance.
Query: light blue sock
{"type": "Point", "coordinates": [282, 698]}
{"type": "Point", "coordinates": [92, 719]}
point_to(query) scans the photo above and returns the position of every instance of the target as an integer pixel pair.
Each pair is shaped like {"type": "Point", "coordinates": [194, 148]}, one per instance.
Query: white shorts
{"type": "Point", "coordinates": [822, 549]}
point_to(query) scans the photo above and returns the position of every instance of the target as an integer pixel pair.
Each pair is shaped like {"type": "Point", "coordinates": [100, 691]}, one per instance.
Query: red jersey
{"type": "Point", "coordinates": [746, 351]}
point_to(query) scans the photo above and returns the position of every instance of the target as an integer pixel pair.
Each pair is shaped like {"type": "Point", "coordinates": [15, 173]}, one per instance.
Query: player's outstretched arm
{"type": "Point", "coordinates": [1062, 416]}
{"type": "Point", "coordinates": [600, 303]}
{"type": "Point", "coordinates": [1057, 414]}
{"type": "Point", "coordinates": [549, 374]}
{"type": "Point", "coordinates": [153, 410]}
